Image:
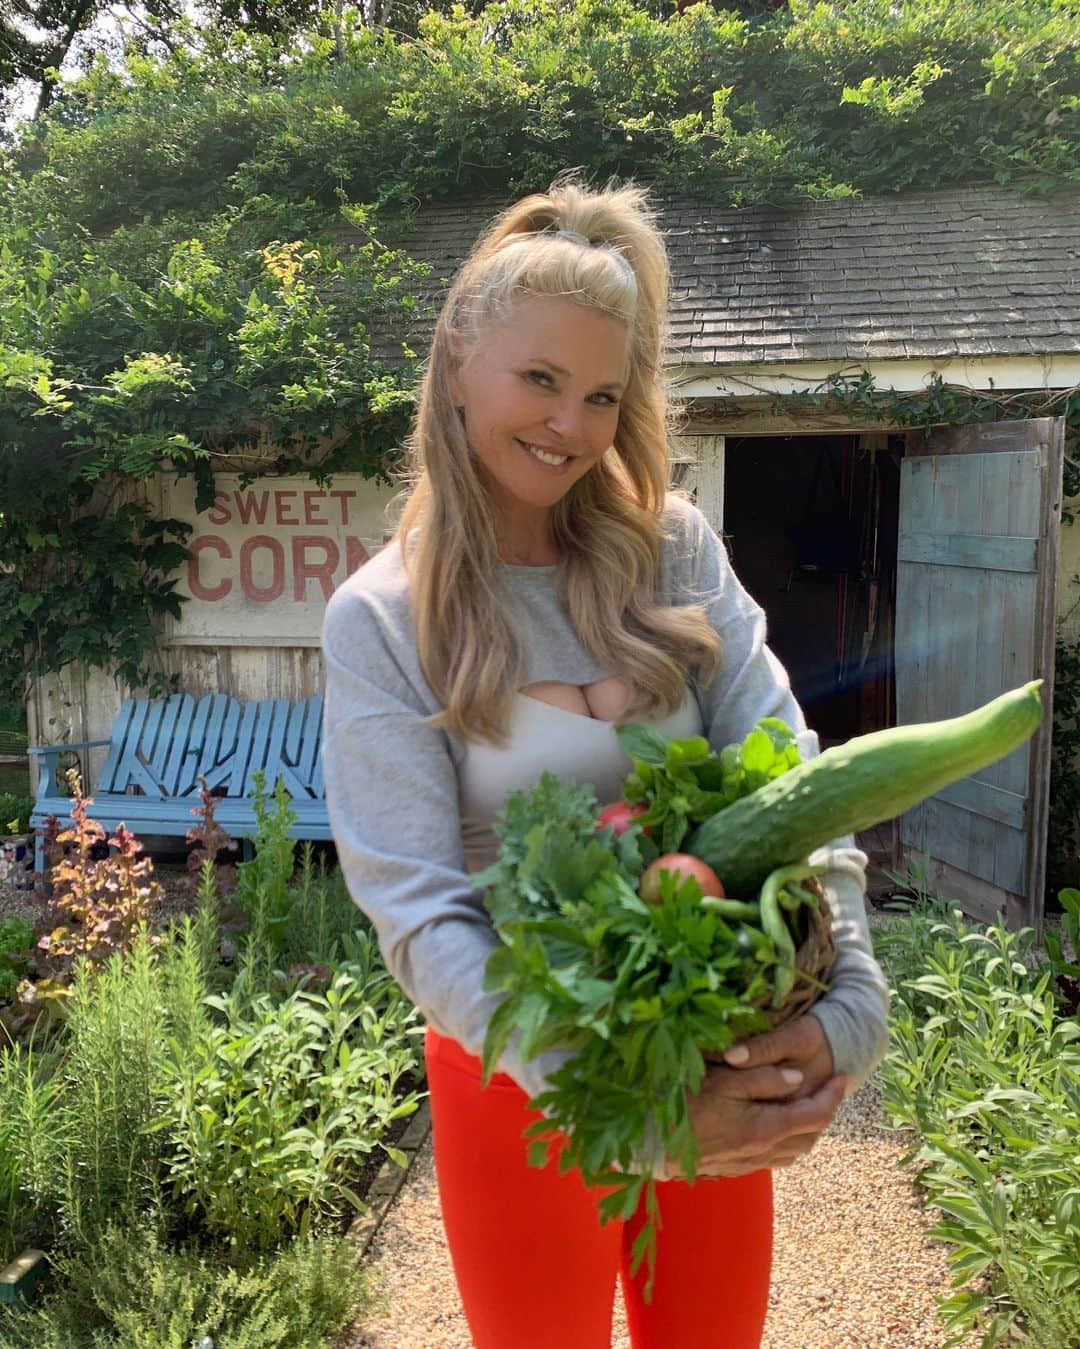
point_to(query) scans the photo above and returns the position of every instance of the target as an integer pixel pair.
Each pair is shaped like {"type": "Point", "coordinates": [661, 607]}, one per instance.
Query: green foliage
{"type": "Point", "coordinates": [16, 943]}
{"type": "Point", "coordinates": [323, 919]}
{"type": "Point", "coordinates": [31, 1132]}
{"type": "Point", "coordinates": [262, 888]}
{"type": "Point", "coordinates": [196, 247]}
{"type": "Point", "coordinates": [186, 1151]}
{"type": "Point", "coordinates": [15, 809]}
{"type": "Point", "coordinates": [683, 782]}
{"type": "Point", "coordinates": [986, 1068]}
{"type": "Point", "coordinates": [151, 351]}
{"type": "Point", "coordinates": [136, 1292]}
{"type": "Point", "coordinates": [268, 1116]}
{"type": "Point", "coordinates": [114, 1048]}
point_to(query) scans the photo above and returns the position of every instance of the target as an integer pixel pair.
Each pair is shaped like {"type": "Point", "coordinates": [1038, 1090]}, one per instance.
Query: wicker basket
{"type": "Point", "coordinates": [815, 955]}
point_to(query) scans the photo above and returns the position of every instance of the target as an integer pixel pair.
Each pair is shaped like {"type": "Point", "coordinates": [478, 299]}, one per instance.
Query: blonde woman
{"type": "Point", "coordinates": [544, 586]}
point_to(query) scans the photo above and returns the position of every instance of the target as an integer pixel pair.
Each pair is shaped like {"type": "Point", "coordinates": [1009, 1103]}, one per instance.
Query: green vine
{"type": "Point", "coordinates": [941, 404]}
{"type": "Point", "coordinates": [194, 248]}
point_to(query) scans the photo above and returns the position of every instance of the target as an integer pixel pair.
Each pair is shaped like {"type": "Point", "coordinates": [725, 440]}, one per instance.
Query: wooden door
{"type": "Point", "coordinates": [980, 513]}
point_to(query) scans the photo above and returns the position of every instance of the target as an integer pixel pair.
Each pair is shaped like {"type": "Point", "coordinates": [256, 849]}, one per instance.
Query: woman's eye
{"type": "Point", "coordinates": [609, 399]}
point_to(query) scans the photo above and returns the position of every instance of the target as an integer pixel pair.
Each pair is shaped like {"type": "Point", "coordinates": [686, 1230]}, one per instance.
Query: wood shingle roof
{"type": "Point", "coordinates": [976, 271]}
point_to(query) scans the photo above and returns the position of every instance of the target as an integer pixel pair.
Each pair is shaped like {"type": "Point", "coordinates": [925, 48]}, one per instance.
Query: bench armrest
{"type": "Point", "coordinates": [47, 783]}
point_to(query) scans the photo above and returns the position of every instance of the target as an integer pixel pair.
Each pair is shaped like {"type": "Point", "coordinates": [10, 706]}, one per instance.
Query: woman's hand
{"type": "Point", "coordinates": [800, 1044]}
{"type": "Point", "coordinates": [742, 1121]}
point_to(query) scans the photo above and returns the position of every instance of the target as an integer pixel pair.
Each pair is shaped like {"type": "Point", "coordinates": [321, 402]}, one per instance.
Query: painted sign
{"type": "Point", "coordinates": [266, 557]}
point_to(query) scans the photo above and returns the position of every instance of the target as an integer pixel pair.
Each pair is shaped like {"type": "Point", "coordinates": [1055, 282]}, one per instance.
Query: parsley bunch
{"type": "Point", "coordinates": [684, 782]}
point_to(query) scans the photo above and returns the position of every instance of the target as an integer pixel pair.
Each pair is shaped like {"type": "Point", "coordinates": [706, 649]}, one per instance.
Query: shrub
{"type": "Point", "coordinates": [107, 899]}
{"type": "Point", "coordinates": [267, 1118]}
{"type": "Point", "coordinates": [15, 810]}
{"type": "Point", "coordinates": [16, 942]}
{"type": "Point", "coordinates": [987, 1070]}
{"type": "Point", "coordinates": [133, 1292]}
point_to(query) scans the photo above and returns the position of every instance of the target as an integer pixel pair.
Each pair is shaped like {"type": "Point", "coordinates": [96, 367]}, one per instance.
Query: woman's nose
{"type": "Point", "coordinates": [566, 419]}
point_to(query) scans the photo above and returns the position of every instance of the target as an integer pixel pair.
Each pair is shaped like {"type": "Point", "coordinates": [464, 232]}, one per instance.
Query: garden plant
{"type": "Point", "coordinates": [984, 1067]}
{"type": "Point", "coordinates": [183, 1134]}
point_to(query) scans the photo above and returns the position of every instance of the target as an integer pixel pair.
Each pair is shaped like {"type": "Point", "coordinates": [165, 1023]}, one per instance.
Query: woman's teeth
{"type": "Point", "coordinates": [555, 460]}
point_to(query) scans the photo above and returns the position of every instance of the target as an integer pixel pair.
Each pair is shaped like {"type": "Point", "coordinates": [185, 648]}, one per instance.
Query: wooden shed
{"type": "Point", "coordinates": [905, 576]}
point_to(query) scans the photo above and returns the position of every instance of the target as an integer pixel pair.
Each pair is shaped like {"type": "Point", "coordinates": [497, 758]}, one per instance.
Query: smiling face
{"type": "Point", "coordinates": [541, 398]}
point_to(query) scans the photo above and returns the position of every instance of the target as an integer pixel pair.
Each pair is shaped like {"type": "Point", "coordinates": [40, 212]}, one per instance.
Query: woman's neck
{"type": "Point", "coordinates": [519, 546]}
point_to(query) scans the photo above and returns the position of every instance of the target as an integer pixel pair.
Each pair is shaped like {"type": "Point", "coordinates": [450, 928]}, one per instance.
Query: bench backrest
{"type": "Point", "coordinates": [163, 745]}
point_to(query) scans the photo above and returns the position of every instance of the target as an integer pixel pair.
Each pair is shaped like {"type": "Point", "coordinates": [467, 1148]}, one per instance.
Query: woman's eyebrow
{"type": "Point", "coordinates": [543, 360]}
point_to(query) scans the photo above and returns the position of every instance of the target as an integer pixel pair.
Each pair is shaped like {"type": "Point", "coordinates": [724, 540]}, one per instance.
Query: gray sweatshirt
{"type": "Point", "coordinates": [393, 785]}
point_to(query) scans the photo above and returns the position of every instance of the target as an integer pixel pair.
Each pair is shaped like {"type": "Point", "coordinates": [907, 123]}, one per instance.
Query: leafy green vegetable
{"type": "Point", "coordinates": [636, 991]}
{"type": "Point", "coordinates": [684, 782]}
{"type": "Point", "coordinates": [551, 850]}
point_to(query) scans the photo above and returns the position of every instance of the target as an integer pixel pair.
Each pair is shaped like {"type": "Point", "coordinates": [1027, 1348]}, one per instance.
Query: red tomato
{"type": "Point", "coordinates": [683, 865]}
{"type": "Point", "coordinates": [620, 816]}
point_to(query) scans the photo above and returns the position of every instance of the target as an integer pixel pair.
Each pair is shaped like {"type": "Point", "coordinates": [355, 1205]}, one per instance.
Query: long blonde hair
{"type": "Point", "coordinates": [607, 527]}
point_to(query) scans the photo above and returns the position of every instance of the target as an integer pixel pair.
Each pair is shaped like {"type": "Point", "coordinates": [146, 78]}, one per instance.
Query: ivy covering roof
{"type": "Point", "coordinates": [974, 272]}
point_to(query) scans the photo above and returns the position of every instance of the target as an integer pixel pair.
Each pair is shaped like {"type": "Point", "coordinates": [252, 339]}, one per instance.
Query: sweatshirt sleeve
{"type": "Point", "coordinates": [392, 797]}
{"type": "Point", "coordinates": [751, 684]}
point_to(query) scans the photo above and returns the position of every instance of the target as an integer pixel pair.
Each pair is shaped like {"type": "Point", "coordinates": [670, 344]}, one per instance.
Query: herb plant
{"type": "Point", "coordinates": [985, 1066]}
{"type": "Point", "coordinates": [684, 782]}
{"type": "Point", "coordinates": [268, 1117]}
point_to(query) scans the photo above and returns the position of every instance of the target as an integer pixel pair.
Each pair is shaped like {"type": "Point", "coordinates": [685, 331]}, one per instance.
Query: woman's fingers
{"type": "Point", "coordinates": [757, 1132]}
{"type": "Point", "coordinates": [794, 1040]}
{"type": "Point", "coordinates": [768, 1083]}
{"type": "Point", "coordinates": [772, 1123]}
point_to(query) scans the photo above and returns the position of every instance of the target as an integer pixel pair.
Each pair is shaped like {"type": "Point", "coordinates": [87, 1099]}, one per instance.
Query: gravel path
{"type": "Point", "coordinates": [848, 1207]}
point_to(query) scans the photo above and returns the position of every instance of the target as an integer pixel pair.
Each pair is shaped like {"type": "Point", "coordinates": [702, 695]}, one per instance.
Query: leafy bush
{"type": "Point", "coordinates": [15, 809]}
{"type": "Point", "coordinates": [138, 1293]}
{"type": "Point", "coordinates": [987, 1070]}
{"type": "Point", "coordinates": [16, 943]}
{"type": "Point", "coordinates": [107, 899]}
{"type": "Point", "coordinates": [267, 1118]}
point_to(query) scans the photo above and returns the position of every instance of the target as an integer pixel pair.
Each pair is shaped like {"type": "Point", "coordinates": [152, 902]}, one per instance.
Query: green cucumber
{"type": "Point", "coordinates": [853, 786]}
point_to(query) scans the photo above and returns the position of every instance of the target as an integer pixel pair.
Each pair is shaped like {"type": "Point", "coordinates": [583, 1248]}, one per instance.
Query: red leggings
{"type": "Point", "coordinates": [534, 1265]}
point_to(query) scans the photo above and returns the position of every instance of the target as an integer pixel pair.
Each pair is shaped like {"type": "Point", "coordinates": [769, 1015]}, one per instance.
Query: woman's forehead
{"type": "Point", "coordinates": [561, 331]}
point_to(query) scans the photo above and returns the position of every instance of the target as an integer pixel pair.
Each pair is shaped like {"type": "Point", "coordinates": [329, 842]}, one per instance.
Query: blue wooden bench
{"type": "Point", "coordinates": [159, 748]}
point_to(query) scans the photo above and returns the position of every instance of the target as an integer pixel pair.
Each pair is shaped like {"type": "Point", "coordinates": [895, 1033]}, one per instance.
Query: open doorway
{"type": "Point", "coordinates": [811, 524]}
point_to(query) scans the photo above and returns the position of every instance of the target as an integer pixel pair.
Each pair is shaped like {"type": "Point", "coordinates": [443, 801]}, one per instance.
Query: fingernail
{"type": "Point", "coordinates": [736, 1055]}
{"type": "Point", "coordinates": [791, 1076]}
